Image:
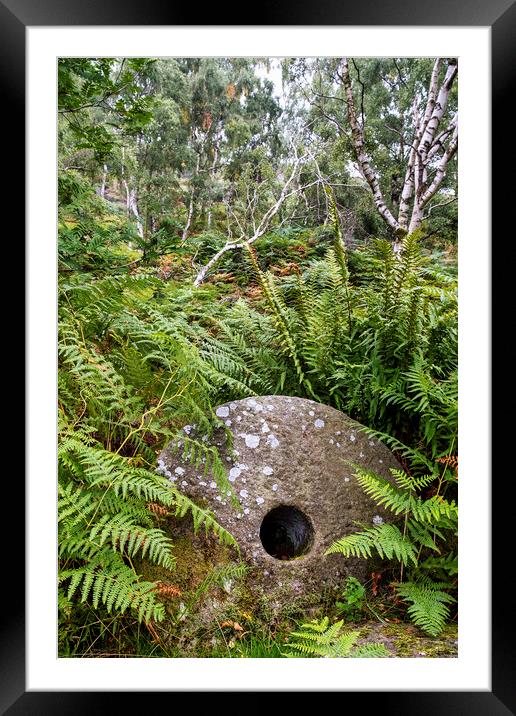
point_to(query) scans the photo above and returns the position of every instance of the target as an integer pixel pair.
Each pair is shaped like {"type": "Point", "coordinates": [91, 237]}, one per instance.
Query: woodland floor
{"type": "Point", "coordinates": [406, 640]}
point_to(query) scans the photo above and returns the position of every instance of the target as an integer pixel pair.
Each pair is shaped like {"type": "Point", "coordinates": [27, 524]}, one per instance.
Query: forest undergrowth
{"type": "Point", "coordinates": [140, 356]}
{"type": "Point", "coordinates": [164, 167]}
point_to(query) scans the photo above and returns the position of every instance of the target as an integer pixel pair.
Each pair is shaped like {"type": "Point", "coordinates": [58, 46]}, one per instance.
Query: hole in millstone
{"type": "Point", "coordinates": [286, 532]}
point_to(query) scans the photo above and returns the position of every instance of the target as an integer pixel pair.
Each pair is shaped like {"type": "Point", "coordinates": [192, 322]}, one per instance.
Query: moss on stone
{"type": "Point", "coordinates": [404, 640]}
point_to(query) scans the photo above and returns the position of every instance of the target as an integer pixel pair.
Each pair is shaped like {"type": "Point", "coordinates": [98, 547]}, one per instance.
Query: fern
{"type": "Point", "coordinates": [368, 347]}
{"type": "Point", "coordinates": [139, 358]}
{"type": "Point", "coordinates": [281, 319]}
{"type": "Point", "coordinates": [320, 639]}
{"type": "Point", "coordinates": [340, 253]}
{"type": "Point", "coordinates": [401, 500]}
{"type": "Point", "coordinates": [127, 375]}
{"type": "Point", "coordinates": [386, 540]}
{"type": "Point", "coordinates": [109, 581]}
{"type": "Point", "coordinates": [426, 525]}
{"type": "Point", "coordinates": [220, 576]}
{"type": "Point", "coordinates": [428, 604]}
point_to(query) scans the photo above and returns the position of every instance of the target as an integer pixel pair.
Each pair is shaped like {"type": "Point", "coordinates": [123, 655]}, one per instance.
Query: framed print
{"type": "Point", "coordinates": [36, 677]}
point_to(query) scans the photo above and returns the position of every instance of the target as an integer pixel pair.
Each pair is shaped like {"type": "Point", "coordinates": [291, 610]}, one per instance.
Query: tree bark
{"type": "Point", "coordinates": [191, 203]}
{"type": "Point", "coordinates": [435, 109]}
{"type": "Point", "coordinates": [430, 144]}
{"type": "Point", "coordinates": [186, 229]}
{"type": "Point", "coordinates": [102, 190]}
{"type": "Point", "coordinates": [132, 208]}
{"type": "Point", "coordinates": [212, 178]}
{"type": "Point", "coordinates": [423, 159]}
{"type": "Point", "coordinates": [364, 161]}
{"type": "Point", "coordinates": [408, 183]}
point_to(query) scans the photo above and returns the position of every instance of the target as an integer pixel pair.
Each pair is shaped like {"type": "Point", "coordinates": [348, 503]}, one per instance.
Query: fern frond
{"type": "Point", "coordinates": [402, 500]}
{"type": "Point", "coordinates": [280, 317]}
{"type": "Point", "coordinates": [429, 604]}
{"type": "Point", "coordinates": [385, 539]}
{"type": "Point", "coordinates": [202, 517]}
{"type": "Point", "coordinates": [320, 639]}
{"type": "Point", "coordinates": [129, 538]}
{"type": "Point", "coordinates": [107, 580]}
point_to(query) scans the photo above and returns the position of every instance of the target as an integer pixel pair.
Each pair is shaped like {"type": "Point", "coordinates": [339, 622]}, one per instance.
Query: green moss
{"type": "Point", "coordinates": [196, 555]}
{"type": "Point", "coordinates": [407, 641]}
{"type": "Point", "coordinates": [198, 630]}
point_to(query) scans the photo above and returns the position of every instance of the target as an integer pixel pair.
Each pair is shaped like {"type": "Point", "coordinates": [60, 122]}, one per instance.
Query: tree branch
{"type": "Point", "coordinates": [442, 203]}
{"type": "Point", "coordinates": [265, 221]}
{"type": "Point", "coordinates": [363, 159]}
{"type": "Point", "coordinates": [436, 112]}
{"type": "Point", "coordinates": [441, 170]}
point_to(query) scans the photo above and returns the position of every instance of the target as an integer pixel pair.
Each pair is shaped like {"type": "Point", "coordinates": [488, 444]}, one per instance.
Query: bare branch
{"type": "Point", "coordinates": [265, 221]}
{"type": "Point", "coordinates": [399, 72]}
{"type": "Point", "coordinates": [441, 170]}
{"type": "Point", "coordinates": [324, 113]}
{"type": "Point", "coordinates": [442, 203]}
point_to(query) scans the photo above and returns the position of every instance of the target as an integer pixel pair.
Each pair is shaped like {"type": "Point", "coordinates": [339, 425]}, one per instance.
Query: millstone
{"type": "Point", "coordinates": [289, 468]}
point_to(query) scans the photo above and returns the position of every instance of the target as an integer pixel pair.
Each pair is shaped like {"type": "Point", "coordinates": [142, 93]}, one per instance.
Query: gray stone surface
{"type": "Point", "coordinates": [289, 451]}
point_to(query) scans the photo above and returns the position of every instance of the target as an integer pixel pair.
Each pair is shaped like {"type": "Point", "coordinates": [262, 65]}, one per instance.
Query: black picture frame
{"type": "Point", "coordinates": [500, 16]}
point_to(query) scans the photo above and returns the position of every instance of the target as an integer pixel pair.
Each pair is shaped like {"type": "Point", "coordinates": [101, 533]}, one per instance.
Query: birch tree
{"type": "Point", "coordinates": [247, 224]}
{"type": "Point", "coordinates": [426, 153]}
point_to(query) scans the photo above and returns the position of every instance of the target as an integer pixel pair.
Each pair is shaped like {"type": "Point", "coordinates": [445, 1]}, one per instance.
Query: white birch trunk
{"type": "Point", "coordinates": [132, 208]}
{"type": "Point", "coordinates": [102, 190]}
{"type": "Point", "coordinates": [364, 162]}
{"type": "Point", "coordinates": [438, 143]}
{"type": "Point", "coordinates": [214, 259]}
{"type": "Point", "coordinates": [437, 111]}
{"type": "Point", "coordinates": [426, 147]}
{"type": "Point", "coordinates": [212, 175]}
{"type": "Point", "coordinates": [441, 170]}
{"type": "Point", "coordinates": [408, 183]}
{"type": "Point", "coordinates": [186, 229]}
{"type": "Point", "coordinates": [432, 92]}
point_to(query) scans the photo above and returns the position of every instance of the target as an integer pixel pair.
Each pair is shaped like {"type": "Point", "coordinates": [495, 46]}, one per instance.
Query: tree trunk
{"type": "Point", "coordinates": [132, 208]}
{"type": "Point", "coordinates": [184, 235]}
{"type": "Point", "coordinates": [364, 162]}
{"type": "Point", "coordinates": [417, 188]}
{"type": "Point", "coordinates": [192, 201]}
{"type": "Point", "coordinates": [102, 190]}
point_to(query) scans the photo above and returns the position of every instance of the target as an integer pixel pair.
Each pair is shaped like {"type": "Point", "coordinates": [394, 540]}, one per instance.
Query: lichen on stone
{"type": "Point", "coordinates": [234, 473]}
{"type": "Point", "coordinates": [308, 475]}
{"type": "Point", "coordinates": [252, 441]}
{"type": "Point", "coordinates": [272, 440]}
